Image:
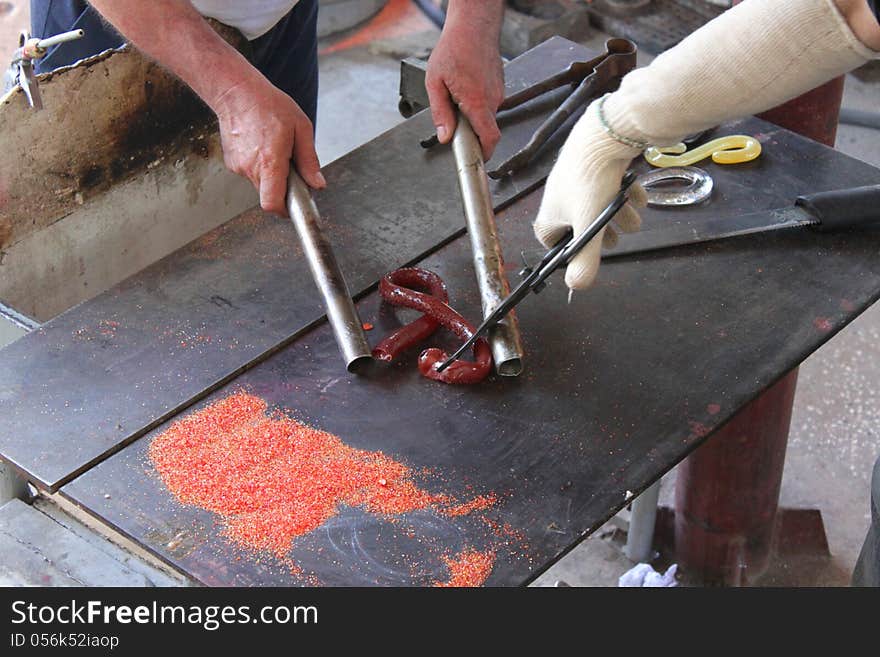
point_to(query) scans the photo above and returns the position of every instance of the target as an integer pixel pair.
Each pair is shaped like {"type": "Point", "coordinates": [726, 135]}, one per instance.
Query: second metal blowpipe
{"type": "Point", "coordinates": [559, 256]}
{"type": "Point", "coordinates": [504, 337]}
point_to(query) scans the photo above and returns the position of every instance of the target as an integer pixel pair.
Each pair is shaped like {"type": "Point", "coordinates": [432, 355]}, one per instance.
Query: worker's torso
{"type": "Point", "coordinates": [252, 17]}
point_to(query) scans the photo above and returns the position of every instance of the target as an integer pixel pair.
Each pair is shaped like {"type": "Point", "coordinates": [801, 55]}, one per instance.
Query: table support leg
{"type": "Point", "coordinates": [640, 535]}
{"type": "Point", "coordinates": [813, 115]}
{"type": "Point", "coordinates": [727, 492]}
{"type": "Point", "coordinates": [12, 486]}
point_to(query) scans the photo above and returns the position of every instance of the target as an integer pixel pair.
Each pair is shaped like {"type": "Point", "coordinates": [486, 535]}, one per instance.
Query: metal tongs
{"type": "Point", "coordinates": [534, 279]}
{"type": "Point", "coordinates": [587, 79]}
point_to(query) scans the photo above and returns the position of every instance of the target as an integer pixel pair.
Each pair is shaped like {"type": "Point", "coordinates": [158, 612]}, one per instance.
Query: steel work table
{"type": "Point", "coordinates": [154, 343]}
{"type": "Point", "coordinates": [619, 386]}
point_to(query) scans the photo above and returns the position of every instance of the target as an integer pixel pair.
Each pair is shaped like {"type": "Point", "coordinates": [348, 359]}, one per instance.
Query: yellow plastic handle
{"type": "Point", "coordinates": [732, 149]}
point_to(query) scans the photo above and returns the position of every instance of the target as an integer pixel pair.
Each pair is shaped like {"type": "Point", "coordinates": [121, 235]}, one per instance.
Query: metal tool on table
{"type": "Point", "coordinates": [661, 189]}
{"type": "Point", "coordinates": [21, 71]}
{"type": "Point", "coordinates": [535, 279]}
{"type": "Point", "coordinates": [341, 313]}
{"type": "Point", "coordinates": [587, 79]}
{"type": "Point", "coordinates": [824, 211]}
{"type": "Point", "coordinates": [504, 338]}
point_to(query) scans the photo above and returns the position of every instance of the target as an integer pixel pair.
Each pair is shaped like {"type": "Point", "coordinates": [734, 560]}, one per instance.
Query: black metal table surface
{"type": "Point", "coordinates": [100, 375]}
{"type": "Point", "coordinates": [619, 387]}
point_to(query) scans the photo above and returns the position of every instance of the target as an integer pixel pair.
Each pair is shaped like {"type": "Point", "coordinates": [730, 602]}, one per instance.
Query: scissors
{"type": "Point", "coordinates": [559, 256]}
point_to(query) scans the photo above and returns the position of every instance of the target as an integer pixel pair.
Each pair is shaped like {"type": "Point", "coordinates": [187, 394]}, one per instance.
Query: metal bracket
{"type": "Point", "coordinates": [413, 95]}
{"type": "Point", "coordinates": [21, 70]}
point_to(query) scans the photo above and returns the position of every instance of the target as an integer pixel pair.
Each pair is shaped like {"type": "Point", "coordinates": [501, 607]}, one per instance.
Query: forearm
{"type": "Point", "coordinates": [729, 68]}
{"type": "Point", "coordinates": [173, 33]}
{"type": "Point", "coordinates": [481, 17]}
{"type": "Point", "coordinates": [862, 21]}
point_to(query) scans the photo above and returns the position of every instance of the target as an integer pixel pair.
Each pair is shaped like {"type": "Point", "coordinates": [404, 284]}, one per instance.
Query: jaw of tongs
{"type": "Point", "coordinates": [587, 80]}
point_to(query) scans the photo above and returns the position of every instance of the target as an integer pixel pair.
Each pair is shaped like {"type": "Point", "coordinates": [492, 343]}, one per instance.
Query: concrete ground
{"type": "Point", "coordinates": [14, 17]}
{"type": "Point", "coordinates": [834, 437]}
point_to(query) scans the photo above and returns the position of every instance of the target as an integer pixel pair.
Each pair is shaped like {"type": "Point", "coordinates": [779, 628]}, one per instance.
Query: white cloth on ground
{"type": "Point", "coordinates": [644, 575]}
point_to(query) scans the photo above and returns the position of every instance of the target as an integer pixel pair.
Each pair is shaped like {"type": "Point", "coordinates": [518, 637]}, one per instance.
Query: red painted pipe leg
{"type": "Point", "coordinates": [813, 115]}
{"type": "Point", "coordinates": [727, 492]}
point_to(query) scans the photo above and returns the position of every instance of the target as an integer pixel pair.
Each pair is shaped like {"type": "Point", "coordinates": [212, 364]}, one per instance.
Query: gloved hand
{"type": "Point", "coordinates": [583, 181]}
{"type": "Point", "coordinates": [757, 55]}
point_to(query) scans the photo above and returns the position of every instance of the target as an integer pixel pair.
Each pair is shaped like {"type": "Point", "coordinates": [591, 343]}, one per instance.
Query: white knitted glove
{"type": "Point", "coordinates": [757, 55]}
{"type": "Point", "coordinates": [583, 181]}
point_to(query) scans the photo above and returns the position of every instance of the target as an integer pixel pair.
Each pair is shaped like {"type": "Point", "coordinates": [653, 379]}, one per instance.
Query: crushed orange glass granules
{"type": "Point", "coordinates": [479, 503]}
{"type": "Point", "coordinates": [272, 479]}
{"type": "Point", "coordinates": [468, 568]}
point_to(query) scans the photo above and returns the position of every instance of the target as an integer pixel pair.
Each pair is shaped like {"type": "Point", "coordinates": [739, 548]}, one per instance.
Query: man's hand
{"type": "Point", "coordinates": [465, 70]}
{"type": "Point", "coordinates": [261, 129]}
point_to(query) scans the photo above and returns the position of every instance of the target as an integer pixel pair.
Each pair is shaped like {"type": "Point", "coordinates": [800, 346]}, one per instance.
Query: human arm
{"type": "Point", "coordinates": [862, 21]}
{"type": "Point", "coordinates": [753, 57]}
{"type": "Point", "coordinates": [261, 128]}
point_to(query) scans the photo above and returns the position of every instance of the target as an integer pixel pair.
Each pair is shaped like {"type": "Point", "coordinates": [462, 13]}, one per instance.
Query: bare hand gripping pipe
{"type": "Point", "coordinates": [341, 312]}
{"type": "Point", "coordinates": [488, 261]}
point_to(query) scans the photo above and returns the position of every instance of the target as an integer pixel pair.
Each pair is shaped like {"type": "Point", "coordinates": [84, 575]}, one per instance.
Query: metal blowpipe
{"type": "Point", "coordinates": [559, 256]}
{"type": "Point", "coordinates": [341, 313]}
{"type": "Point", "coordinates": [504, 337]}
